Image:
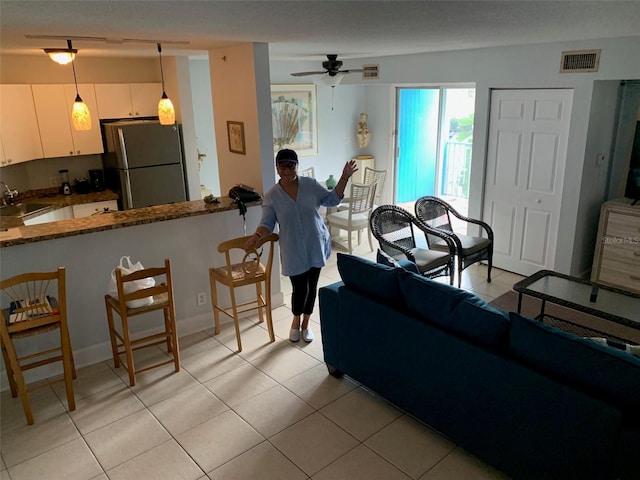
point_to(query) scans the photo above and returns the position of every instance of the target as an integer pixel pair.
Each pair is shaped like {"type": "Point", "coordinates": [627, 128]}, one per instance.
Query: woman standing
{"type": "Point", "coordinates": [305, 244]}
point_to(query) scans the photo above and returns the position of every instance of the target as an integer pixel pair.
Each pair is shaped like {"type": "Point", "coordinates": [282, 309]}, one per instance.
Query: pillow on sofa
{"type": "Point", "coordinates": [575, 360]}
{"type": "Point", "coordinates": [370, 278]}
{"type": "Point", "coordinates": [455, 309]}
{"type": "Point", "coordinates": [389, 261]}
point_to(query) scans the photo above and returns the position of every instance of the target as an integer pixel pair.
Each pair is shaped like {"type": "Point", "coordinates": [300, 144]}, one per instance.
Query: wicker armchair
{"type": "Point", "coordinates": [393, 227]}
{"type": "Point", "coordinates": [436, 213]}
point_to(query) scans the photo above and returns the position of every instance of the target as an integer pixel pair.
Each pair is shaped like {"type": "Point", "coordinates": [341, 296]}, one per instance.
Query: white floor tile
{"type": "Point", "coordinates": [240, 384]}
{"type": "Point", "coordinates": [360, 413]}
{"type": "Point", "coordinates": [209, 364]}
{"type": "Point", "coordinates": [273, 410]}
{"type": "Point", "coordinates": [313, 443]}
{"type": "Point", "coordinates": [285, 363]}
{"type": "Point", "coordinates": [262, 461]}
{"type": "Point", "coordinates": [167, 461]}
{"type": "Point", "coordinates": [90, 380]}
{"type": "Point", "coordinates": [104, 407]}
{"type": "Point", "coordinates": [459, 464]}
{"type": "Point", "coordinates": [360, 463]}
{"type": "Point", "coordinates": [318, 388]}
{"type": "Point", "coordinates": [410, 446]}
{"type": "Point", "coordinates": [126, 438]}
{"type": "Point", "coordinates": [24, 442]}
{"type": "Point", "coordinates": [72, 461]}
{"type": "Point", "coordinates": [219, 440]}
{"type": "Point", "coordinates": [45, 405]}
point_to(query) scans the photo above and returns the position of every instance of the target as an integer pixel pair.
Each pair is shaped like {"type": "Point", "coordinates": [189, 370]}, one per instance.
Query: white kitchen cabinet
{"type": "Point", "coordinates": [18, 125]}
{"type": "Point", "coordinates": [64, 213]}
{"type": "Point", "coordinates": [88, 209]}
{"type": "Point", "coordinates": [128, 100]}
{"type": "Point", "coordinates": [53, 108]}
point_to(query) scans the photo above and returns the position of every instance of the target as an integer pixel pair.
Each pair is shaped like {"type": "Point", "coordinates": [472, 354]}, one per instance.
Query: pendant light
{"type": "Point", "coordinates": [62, 55]}
{"type": "Point", "coordinates": [166, 112]}
{"type": "Point", "coordinates": [80, 116]}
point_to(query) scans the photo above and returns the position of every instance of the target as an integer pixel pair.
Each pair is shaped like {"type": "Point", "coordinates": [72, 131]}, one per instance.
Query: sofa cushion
{"type": "Point", "coordinates": [389, 261]}
{"type": "Point", "coordinates": [575, 360]}
{"type": "Point", "coordinates": [370, 278]}
{"type": "Point", "coordinates": [455, 310]}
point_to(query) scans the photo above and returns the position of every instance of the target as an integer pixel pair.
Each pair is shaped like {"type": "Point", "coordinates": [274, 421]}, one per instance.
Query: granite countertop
{"type": "Point", "coordinates": [19, 235]}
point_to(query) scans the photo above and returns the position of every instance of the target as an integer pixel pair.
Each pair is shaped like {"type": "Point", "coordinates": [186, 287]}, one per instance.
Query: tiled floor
{"type": "Point", "coordinates": [270, 412]}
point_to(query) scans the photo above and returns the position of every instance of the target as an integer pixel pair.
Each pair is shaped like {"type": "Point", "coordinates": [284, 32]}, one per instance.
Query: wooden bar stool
{"type": "Point", "coordinates": [254, 269]}
{"type": "Point", "coordinates": [122, 343]}
{"type": "Point", "coordinates": [37, 304]}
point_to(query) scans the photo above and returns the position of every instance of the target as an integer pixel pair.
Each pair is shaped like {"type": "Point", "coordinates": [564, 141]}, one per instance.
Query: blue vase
{"type": "Point", "coordinates": [331, 182]}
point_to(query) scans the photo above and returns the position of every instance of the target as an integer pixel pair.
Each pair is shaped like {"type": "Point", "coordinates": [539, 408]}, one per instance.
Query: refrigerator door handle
{"type": "Point", "coordinates": [127, 190]}
{"type": "Point", "coordinates": [123, 149]}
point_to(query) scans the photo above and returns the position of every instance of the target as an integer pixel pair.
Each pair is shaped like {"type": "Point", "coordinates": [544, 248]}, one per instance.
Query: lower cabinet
{"type": "Point", "coordinates": [88, 209]}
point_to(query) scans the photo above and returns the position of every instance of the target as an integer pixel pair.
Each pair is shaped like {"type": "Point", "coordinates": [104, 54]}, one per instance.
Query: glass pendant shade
{"type": "Point", "coordinates": [62, 57]}
{"type": "Point", "coordinates": [166, 112]}
{"type": "Point", "coordinates": [80, 116]}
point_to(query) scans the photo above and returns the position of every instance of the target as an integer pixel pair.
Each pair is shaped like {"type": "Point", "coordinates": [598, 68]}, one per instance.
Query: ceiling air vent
{"type": "Point", "coordinates": [370, 72]}
{"type": "Point", "coordinates": [580, 61]}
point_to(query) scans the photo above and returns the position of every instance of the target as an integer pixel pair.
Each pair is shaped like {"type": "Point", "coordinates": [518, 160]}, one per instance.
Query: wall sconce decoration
{"type": "Point", "coordinates": [62, 55]}
{"type": "Point", "coordinates": [166, 112]}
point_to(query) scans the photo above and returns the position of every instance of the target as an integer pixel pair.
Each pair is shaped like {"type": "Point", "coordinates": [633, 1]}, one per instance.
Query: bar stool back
{"type": "Point", "coordinates": [36, 305]}
{"type": "Point", "coordinates": [254, 269]}
{"type": "Point", "coordinates": [122, 342]}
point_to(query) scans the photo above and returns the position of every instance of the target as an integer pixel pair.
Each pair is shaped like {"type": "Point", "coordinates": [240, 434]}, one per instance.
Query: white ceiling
{"type": "Point", "coordinates": [307, 29]}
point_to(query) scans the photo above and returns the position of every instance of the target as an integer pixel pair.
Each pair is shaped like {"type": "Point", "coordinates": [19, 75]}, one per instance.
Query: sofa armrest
{"type": "Point", "coordinates": [329, 305]}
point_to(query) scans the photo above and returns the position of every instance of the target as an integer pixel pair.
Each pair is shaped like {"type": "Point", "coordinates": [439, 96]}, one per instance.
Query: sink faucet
{"type": "Point", "coordinates": [8, 196]}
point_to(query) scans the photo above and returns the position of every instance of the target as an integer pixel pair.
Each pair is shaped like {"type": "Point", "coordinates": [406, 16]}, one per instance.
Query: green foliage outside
{"type": "Point", "coordinates": [461, 129]}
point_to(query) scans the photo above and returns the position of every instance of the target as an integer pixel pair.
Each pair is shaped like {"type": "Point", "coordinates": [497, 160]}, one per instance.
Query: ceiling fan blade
{"type": "Point", "coordinates": [302, 74]}
{"type": "Point", "coordinates": [352, 70]}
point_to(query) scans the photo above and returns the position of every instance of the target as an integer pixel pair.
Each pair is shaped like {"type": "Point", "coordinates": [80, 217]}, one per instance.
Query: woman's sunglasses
{"type": "Point", "coordinates": [287, 165]}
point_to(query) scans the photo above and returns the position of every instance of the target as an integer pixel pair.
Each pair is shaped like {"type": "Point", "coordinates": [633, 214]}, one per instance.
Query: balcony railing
{"type": "Point", "coordinates": [455, 169]}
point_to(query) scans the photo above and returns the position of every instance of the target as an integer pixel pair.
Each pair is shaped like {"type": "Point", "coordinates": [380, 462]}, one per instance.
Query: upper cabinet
{"type": "Point", "coordinates": [18, 125]}
{"type": "Point", "coordinates": [128, 100]}
{"type": "Point", "coordinates": [53, 108]}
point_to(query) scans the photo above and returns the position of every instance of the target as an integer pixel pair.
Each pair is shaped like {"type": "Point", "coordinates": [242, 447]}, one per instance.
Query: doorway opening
{"type": "Point", "coordinates": [433, 148]}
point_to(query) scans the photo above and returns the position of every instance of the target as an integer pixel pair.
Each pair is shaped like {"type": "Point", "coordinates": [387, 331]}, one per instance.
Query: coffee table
{"type": "Point", "coordinates": [608, 303]}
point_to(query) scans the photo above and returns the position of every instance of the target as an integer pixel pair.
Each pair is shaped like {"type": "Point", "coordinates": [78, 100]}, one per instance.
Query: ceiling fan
{"type": "Point", "coordinates": [331, 66]}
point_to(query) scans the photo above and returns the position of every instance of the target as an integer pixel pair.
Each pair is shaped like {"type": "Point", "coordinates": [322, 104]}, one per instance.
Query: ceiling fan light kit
{"type": "Point", "coordinates": [331, 68]}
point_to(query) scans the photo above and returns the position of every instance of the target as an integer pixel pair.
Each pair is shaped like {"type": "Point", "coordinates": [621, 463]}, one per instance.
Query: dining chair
{"type": "Point", "coordinates": [123, 342]}
{"type": "Point", "coordinates": [356, 217]}
{"type": "Point", "coordinates": [370, 176]}
{"type": "Point", "coordinates": [436, 213]}
{"type": "Point", "coordinates": [395, 228]}
{"type": "Point", "coordinates": [36, 304]}
{"type": "Point", "coordinates": [308, 172]}
{"type": "Point", "coordinates": [244, 268]}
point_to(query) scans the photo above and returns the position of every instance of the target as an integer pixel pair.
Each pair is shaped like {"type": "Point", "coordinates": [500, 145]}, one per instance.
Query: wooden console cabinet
{"type": "Point", "coordinates": [616, 262]}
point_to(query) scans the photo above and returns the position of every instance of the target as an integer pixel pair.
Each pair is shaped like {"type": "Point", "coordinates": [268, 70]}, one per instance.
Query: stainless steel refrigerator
{"type": "Point", "coordinates": [143, 163]}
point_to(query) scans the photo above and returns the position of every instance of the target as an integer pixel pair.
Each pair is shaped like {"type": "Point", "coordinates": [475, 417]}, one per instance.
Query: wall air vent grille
{"type": "Point", "coordinates": [370, 72]}
{"type": "Point", "coordinates": [580, 61]}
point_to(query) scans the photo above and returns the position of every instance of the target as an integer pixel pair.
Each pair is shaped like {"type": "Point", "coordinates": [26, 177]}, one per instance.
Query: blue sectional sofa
{"type": "Point", "coordinates": [531, 400]}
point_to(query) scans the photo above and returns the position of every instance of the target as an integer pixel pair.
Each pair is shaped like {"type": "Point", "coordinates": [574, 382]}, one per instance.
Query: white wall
{"type": "Point", "coordinates": [204, 126]}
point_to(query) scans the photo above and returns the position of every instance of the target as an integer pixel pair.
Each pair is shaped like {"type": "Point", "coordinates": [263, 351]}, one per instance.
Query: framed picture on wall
{"type": "Point", "coordinates": [294, 116]}
{"type": "Point", "coordinates": [235, 132]}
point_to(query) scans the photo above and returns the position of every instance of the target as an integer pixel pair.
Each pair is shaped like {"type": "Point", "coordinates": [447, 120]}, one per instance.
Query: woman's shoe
{"type": "Point", "coordinates": [294, 335]}
{"type": "Point", "coordinates": [307, 335]}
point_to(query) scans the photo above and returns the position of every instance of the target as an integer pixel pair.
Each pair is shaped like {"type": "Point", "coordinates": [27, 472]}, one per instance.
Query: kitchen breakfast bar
{"type": "Point", "coordinates": [188, 233]}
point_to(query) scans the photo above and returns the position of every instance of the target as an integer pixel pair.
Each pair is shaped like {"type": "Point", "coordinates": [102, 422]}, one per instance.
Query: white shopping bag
{"type": "Point", "coordinates": [127, 267]}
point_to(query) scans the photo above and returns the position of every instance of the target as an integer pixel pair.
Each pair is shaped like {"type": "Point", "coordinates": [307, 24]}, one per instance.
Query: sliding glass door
{"type": "Point", "coordinates": [433, 145]}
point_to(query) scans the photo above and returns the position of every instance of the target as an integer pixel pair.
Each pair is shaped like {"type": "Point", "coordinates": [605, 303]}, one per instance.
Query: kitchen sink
{"type": "Point", "coordinates": [23, 209]}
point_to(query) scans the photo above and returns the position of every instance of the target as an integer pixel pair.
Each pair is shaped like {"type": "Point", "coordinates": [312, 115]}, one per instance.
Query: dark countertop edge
{"type": "Point", "coordinates": [120, 219]}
